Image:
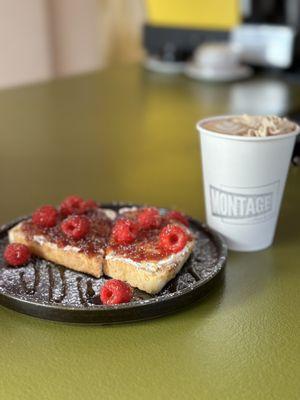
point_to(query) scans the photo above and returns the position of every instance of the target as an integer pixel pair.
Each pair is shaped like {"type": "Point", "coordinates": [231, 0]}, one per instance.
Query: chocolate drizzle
{"type": "Point", "coordinates": [30, 285]}
{"type": "Point", "coordinates": [80, 291]}
{"type": "Point", "coordinates": [90, 292]}
{"type": "Point", "coordinates": [51, 284]}
{"type": "Point", "coordinates": [64, 285]}
{"type": "Point", "coordinates": [24, 283]}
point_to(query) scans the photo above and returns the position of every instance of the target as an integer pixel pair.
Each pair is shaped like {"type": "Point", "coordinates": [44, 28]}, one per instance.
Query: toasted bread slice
{"type": "Point", "coordinates": [150, 276]}
{"type": "Point", "coordinates": [142, 264]}
{"type": "Point", "coordinates": [69, 254]}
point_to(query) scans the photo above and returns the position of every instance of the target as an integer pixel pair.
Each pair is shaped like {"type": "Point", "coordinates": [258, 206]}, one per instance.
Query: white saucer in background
{"type": "Point", "coordinates": [165, 67]}
{"type": "Point", "coordinates": [219, 62]}
{"type": "Point", "coordinates": [218, 75]}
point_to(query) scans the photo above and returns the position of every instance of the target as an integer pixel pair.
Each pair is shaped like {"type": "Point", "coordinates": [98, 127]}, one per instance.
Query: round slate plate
{"type": "Point", "coordinates": [50, 291]}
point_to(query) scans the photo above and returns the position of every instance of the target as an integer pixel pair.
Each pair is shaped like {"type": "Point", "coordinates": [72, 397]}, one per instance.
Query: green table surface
{"type": "Point", "coordinates": [127, 134]}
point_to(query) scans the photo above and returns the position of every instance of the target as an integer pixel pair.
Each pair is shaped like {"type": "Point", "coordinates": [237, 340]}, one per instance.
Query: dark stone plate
{"type": "Point", "coordinates": [47, 290]}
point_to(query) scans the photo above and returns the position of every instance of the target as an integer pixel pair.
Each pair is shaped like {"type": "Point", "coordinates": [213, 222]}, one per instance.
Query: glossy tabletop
{"type": "Point", "coordinates": [127, 134]}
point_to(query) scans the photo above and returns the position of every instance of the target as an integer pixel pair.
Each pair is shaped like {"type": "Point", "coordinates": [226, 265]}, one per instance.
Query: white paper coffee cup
{"type": "Point", "coordinates": [244, 179]}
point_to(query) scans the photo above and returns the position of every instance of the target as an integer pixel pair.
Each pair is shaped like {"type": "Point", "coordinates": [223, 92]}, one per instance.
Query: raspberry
{"type": "Point", "coordinates": [177, 216]}
{"type": "Point", "coordinates": [172, 238]}
{"type": "Point", "coordinates": [45, 216]}
{"type": "Point", "coordinates": [88, 205]}
{"type": "Point", "coordinates": [76, 226]}
{"type": "Point", "coordinates": [115, 292]}
{"type": "Point", "coordinates": [71, 205]}
{"type": "Point", "coordinates": [149, 218]}
{"type": "Point", "coordinates": [125, 231]}
{"type": "Point", "coordinates": [16, 254]}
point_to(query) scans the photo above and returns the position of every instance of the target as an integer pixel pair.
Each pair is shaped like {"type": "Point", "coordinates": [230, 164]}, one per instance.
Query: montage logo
{"type": "Point", "coordinates": [244, 205]}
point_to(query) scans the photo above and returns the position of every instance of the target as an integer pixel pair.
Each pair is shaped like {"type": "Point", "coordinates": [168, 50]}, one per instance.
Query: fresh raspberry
{"type": "Point", "coordinates": [76, 226]}
{"type": "Point", "coordinates": [125, 231]}
{"type": "Point", "coordinates": [88, 205]}
{"type": "Point", "coordinates": [71, 205]}
{"type": "Point", "coordinates": [16, 254]}
{"type": "Point", "coordinates": [177, 216]}
{"type": "Point", "coordinates": [45, 216]}
{"type": "Point", "coordinates": [115, 292]}
{"type": "Point", "coordinates": [172, 238]}
{"type": "Point", "coordinates": [149, 218]}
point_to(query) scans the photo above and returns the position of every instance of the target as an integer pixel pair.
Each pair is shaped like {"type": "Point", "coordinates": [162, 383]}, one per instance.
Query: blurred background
{"type": "Point", "coordinates": [45, 39]}
{"type": "Point", "coordinates": [216, 41]}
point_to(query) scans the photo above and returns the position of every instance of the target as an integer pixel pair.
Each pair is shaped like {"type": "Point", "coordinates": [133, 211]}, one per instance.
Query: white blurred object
{"type": "Point", "coordinates": [166, 67]}
{"type": "Point", "coordinates": [218, 62]}
{"type": "Point", "coordinates": [219, 55]}
{"type": "Point", "coordinates": [240, 72]}
{"type": "Point", "coordinates": [264, 45]}
{"type": "Point", "coordinates": [261, 97]}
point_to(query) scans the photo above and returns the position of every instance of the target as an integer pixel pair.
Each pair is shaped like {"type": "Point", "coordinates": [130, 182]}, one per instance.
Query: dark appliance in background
{"type": "Point", "coordinates": [268, 35]}
{"type": "Point", "coordinates": [268, 31]}
{"type": "Point", "coordinates": [278, 22]}
{"type": "Point", "coordinates": [272, 27]}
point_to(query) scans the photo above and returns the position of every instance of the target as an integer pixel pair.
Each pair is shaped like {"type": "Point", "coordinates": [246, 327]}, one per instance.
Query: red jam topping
{"type": "Point", "coordinates": [91, 244]}
{"type": "Point", "coordinates": [147, 245]}
{"type": "Point", "coordinates": [139, 239]}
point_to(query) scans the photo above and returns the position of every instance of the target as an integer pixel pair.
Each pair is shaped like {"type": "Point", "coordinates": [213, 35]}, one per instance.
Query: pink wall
{"type": "Point", "coordinates": [43, 39]}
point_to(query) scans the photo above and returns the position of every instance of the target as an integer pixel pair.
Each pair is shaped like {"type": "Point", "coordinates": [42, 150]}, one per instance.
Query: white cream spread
{"type": "Point", "coordinates": [111, 214]}
{"type": "Point", "coordinates": [154, 266]}
{"type": "Point", "coordinates": [127, 209]}
{"type": "Point", "coordinates": [39, 239]}
{"type": "Point", "coordinates": [72, 249]}
{"type": "Point", "coordinates": [251, 125]}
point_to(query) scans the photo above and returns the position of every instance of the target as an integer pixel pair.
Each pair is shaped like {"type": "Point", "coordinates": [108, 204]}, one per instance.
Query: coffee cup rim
{"type": "Point", "coordinates": [201, 129]}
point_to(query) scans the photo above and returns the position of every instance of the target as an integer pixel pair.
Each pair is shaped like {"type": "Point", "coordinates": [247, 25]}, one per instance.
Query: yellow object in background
{"type": "Point", "coordinates": [198, 14]}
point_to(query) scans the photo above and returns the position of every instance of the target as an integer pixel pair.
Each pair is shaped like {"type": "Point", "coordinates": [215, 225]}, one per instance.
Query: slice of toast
{"type": "Point", "coordinates": [150, 271]}
{"type": "Point", "coordinates": [150, 276]}
{"type": "Point", "coordinates": [85, 255]}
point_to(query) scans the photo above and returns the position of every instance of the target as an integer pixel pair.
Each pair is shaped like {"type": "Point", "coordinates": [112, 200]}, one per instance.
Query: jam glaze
{"type": "Point", "coordinates": [146, 246]}
{"type": "Point", "coordinates": [92, 244]}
